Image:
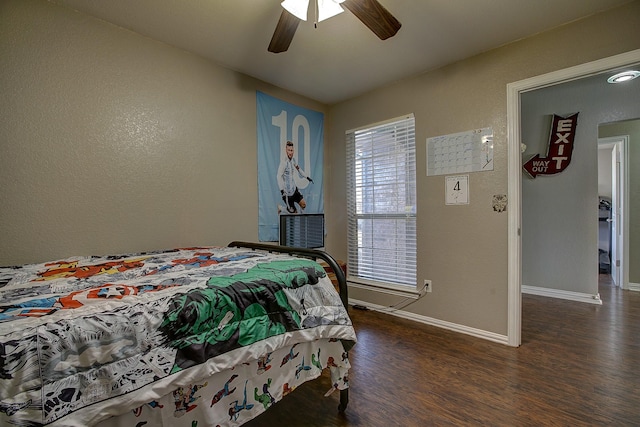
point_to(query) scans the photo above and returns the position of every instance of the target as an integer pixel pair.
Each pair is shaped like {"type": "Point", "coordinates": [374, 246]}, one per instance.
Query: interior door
{"type": "Point", "coordinates": [615, 214]}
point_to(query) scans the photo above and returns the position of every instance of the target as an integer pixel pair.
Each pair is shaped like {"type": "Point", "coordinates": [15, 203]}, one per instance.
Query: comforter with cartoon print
{"type": "Point", "coordinates": [84, 339]}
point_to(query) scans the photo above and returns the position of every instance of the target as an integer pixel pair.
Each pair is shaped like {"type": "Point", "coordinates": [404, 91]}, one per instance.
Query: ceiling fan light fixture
{"type": "Point", "coordinates": [298, 8]}
{"type": "Point", "coordinates": [329, 8]}
{"type": "Point", "coordinates": [370, 12]}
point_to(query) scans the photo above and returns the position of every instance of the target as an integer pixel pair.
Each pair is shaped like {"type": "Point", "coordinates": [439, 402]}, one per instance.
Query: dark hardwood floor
{"type": "Point", "coordinates": [578, 365]}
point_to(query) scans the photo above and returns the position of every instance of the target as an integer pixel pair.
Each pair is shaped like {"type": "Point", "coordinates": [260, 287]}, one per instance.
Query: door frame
{"type": "Point", "coordinates": [514, 173]}
{"type": "Point", "coordinates": [622, 217]}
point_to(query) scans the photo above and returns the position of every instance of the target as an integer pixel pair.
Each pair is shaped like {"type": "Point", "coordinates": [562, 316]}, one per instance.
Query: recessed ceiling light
{"type": "Point", "coordinates": [625, 76]}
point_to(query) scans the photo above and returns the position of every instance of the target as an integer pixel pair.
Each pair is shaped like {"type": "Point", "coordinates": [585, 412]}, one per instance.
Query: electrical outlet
{"type": "Point", "coordinates": [428, 287]}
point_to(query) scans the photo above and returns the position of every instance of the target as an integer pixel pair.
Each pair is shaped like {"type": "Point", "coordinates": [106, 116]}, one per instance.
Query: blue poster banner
{"type": "Point", "coordinates": [290, 159]}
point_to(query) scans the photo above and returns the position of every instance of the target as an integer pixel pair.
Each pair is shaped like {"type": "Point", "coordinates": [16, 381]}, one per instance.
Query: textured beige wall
{"type": "Point", "coordinates": [463, 249]}
{"type": "Point", "coordinates": [112, 142]}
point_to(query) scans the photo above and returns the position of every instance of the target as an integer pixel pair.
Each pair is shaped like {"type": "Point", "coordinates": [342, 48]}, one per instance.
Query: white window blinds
{"type": "Point", "coordinates": [381, 202]}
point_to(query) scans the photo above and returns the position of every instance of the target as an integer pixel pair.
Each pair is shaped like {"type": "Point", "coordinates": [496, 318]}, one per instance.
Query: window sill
{"type": "Point", "coordinates": [385, 288]}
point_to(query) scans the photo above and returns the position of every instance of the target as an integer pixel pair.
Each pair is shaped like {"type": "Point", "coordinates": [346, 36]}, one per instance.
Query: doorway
{"type": "Point", "coordinates": [612, 209]}
{"type": "Point", "coordinates": [514, 92]}
{"type": "Point", "coordinates": [628, 133]}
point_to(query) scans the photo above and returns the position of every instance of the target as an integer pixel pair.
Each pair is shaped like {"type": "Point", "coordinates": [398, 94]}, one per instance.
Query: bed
{"type": "Point", "coordinates": [204, 336]}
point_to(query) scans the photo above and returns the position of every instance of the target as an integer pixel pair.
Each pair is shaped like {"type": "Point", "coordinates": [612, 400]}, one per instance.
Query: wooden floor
{"type": "Point", "coordinates": [578, 365]}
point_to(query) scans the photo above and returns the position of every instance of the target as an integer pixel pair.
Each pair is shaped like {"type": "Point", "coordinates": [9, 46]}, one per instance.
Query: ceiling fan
{"type": "Point", "coordinates": [370, 12]}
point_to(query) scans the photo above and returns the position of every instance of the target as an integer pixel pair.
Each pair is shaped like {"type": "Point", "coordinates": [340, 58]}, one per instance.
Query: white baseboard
{"type": "Point", "coordinates": [634, 287]}
{"type": "Point", "coordinates": [557, 293]}
{"type": "Point", "coordinates": [479, 333]}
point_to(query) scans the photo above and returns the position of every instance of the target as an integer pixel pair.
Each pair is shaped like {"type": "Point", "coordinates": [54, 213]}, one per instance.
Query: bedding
{"type": "Point", "coordinates": [197, 331]}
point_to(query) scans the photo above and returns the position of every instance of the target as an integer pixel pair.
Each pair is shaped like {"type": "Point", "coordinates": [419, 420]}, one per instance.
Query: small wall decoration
{"type": "Point", "coordinates": [457, 190]}
{"type": "Point", "coordinates": [499, 202]}
{"type": "Point", "coordinates": [559, 150]}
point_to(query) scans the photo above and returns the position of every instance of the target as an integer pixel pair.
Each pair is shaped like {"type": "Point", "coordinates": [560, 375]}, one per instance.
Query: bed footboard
{"type": "Point", "coordinates": [313, 254]}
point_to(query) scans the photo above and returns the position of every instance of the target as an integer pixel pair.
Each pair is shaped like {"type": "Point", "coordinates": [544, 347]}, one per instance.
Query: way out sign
{"type": "Point", "coordinates": [563, 132]}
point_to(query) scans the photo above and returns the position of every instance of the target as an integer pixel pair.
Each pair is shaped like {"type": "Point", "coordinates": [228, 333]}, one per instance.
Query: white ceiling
{"type": "Point", "coordinates": [341, 58]}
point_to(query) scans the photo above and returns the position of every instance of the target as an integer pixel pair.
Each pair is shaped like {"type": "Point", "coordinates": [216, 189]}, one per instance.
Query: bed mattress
{"type": "Point", "coordinates": [87, 338]}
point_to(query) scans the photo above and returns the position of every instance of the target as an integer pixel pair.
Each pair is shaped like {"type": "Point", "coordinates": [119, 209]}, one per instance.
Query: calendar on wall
{"type": "Point", "coordinates": [470, 151]}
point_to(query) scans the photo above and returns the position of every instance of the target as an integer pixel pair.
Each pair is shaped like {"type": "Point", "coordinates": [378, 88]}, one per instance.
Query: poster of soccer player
{"type": "Point", "coordinates": [290, 159]}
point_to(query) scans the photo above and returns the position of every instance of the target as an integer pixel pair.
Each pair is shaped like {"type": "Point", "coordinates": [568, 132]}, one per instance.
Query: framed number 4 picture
{"type": "Point", "coordinates": [457, 190]}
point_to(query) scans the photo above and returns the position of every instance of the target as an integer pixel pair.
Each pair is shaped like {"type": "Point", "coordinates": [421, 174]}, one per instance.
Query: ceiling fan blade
{"type": "Point", "coordinates": [375, 16]}
{"type": "Point", "coordinates": [284, 32]}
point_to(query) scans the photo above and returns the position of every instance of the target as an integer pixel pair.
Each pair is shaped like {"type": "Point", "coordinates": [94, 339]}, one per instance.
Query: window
{"type": "Point", "coordinates": [381, 203]}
